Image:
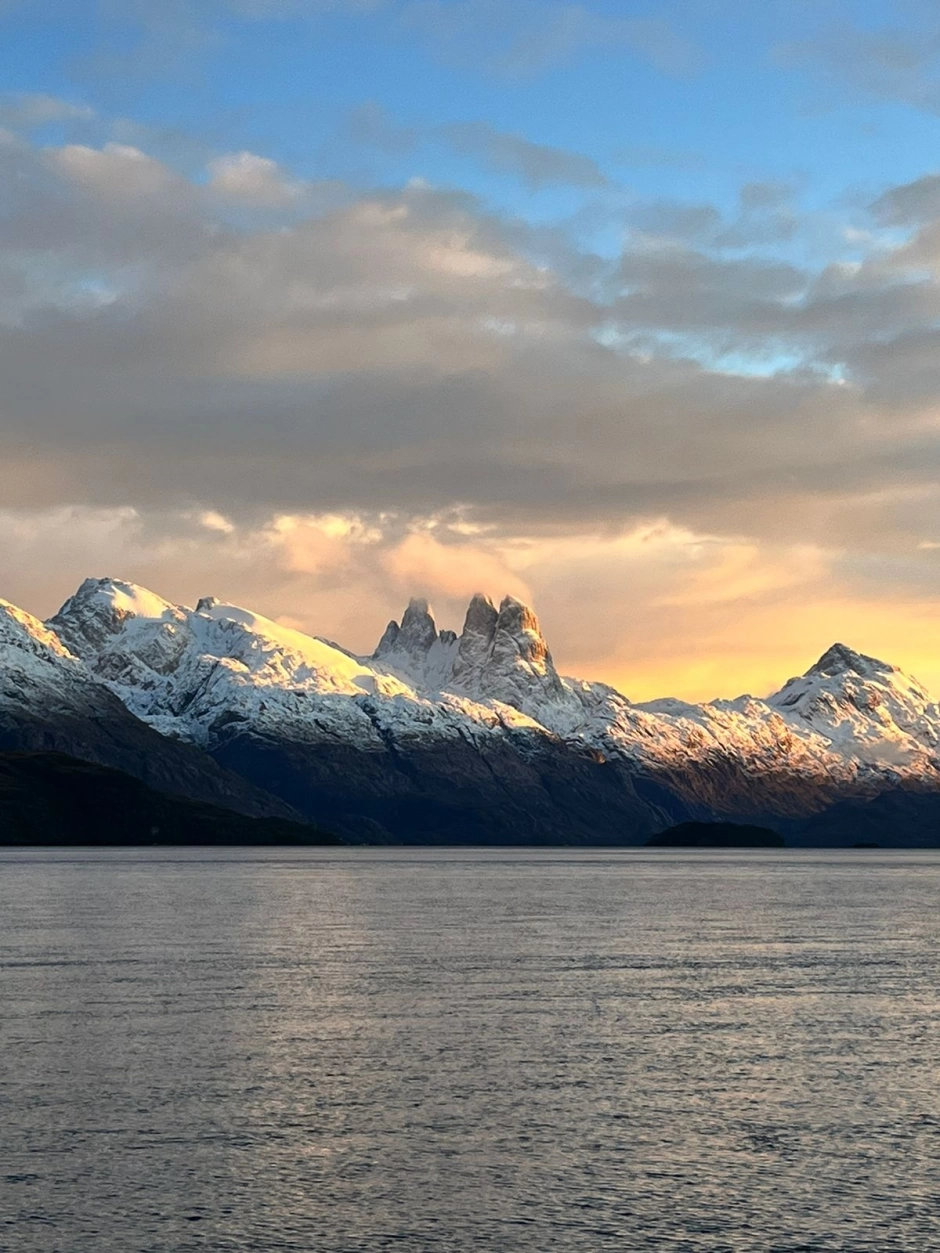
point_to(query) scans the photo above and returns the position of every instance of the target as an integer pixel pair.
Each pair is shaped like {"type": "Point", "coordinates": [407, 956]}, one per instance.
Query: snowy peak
{"type": "Point", "coordinates": [100, 609]}
{"type": "Point", "coordinates": [21, 633]}
{"type": "Point", "coordinates": [418, 629]}
{"type": "Point", "coordinates": [518, 630]}
{"type": "Point", "coordinates": [840, 659]}
{"type": "Point", "coordinates": [866, 708]}
{"type": "Point", "coordinates": [500, 655]}
{"type": "Point", "coordinates": [519, 648]}
{"type": "Point", "coordinates": [388, 641]}
{"type": "Point", "coordinates": [416, 635]}
{"type": "Point", "coordinates": [202, 674]}
{"type": "Point", "coordinates": [38, 673]}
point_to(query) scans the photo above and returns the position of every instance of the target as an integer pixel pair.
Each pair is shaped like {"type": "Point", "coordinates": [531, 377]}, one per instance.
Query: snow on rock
{"type": "Point", "coordinates": [416, 649]}
{"type": "Point", "coordinates": [866, 708]}
{"type": "Point", "coordinates": [204, 674]}
{"type": "Point", "coordinates": [22, 636]}
{"type": "Point", "coordinates": [37, 671]}
{"type": "Point", "coordinates": [501, 655]}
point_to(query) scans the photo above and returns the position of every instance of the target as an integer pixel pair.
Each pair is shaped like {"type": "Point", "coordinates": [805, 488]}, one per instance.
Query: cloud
{"type": "Point", "coordinates": [538, 165]}
{"type": "Point", "coordinates": [530, 37]}
{"type": "Point", "coordinates": [766, 214]}
{"type": "Point", "coordinates": [27, 110]}
{"type": "Point", "coordinates": [246, 178]}
{"type": "Point", "coordinates": [657, 609]}
{"type": "Point", "coordinates": [371, 125]}
{"type": "Point", "coordinates": [888, 64]}
{"type": "Point", "coordinates": [652, 155]}
{"type": "Point", "coordinates": [912, 204]}
{"type": "Point", "coordinates": [399, 355]}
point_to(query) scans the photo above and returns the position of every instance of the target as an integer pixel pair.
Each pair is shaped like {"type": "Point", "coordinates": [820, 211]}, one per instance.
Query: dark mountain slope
{"type": "Point", "coordinates": [52, 799]}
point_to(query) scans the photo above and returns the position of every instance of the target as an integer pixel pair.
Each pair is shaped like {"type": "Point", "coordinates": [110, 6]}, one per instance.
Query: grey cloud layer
{"type": "Point", "coordinates": [407, 351]}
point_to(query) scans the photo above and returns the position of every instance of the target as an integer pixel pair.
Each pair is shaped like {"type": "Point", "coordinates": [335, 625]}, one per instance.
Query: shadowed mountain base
{"type": "Point", "coordinates": [50, 799]}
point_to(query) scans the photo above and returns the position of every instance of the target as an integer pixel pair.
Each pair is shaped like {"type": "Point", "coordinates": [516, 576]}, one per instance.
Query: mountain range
{"type": "Point", "coordinates": [440, 737]}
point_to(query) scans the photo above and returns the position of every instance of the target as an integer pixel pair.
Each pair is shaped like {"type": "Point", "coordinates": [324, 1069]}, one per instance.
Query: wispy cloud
{"type": "Point", "coordinates": [537, 165]}
{"type": "Point", "coordinates": [899, 64]}
{"type": "Point", "coordinates": [529, 37]}
{"type": "Point", "coordinates": [32, 109]}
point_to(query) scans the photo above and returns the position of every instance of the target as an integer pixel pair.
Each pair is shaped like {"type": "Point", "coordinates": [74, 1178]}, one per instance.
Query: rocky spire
{"type": "Point", "coordinates": [476, 641]}
{"type": "Point", "coordinates": [415, 637]}
{"type": "Point", "coordinates": [503, 655]}
{"type": "Point", "coordinates": [519, 647]}
{"type": "Point", "coordinates": [389, 638]}
{"type": "Point", "coordinates": [418, 628]}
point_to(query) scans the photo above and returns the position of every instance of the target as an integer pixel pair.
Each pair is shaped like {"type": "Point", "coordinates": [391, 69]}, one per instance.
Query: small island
{"type": "Point", "coordinates": [716, 835]}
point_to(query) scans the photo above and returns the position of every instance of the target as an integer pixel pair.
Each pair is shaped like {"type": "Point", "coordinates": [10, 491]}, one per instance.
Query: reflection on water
{"type": "Point", "coordinates": [459, 1050]}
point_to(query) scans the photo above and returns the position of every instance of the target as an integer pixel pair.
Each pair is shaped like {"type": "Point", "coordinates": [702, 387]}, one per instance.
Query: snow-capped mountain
{"type": "Point", "coordinates": [376, 747]}
{"type": "Point", "coordinates": [50, 701]}
{"type": "Point", "coordinates": [477, 733]}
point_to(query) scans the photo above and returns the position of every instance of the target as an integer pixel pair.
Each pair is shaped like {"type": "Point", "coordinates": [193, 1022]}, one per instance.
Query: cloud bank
{"type": "Point", "coordinates": [333, 397]}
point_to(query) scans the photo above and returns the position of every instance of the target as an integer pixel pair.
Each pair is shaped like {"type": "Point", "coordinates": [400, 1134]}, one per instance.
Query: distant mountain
{"type": "Point", "coordinates": [475, 737]}
{"type": "Point", "coordinates": [51, 799]}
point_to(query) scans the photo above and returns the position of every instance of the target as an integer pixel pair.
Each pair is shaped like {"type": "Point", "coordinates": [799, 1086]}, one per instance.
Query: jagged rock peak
{"type": "Point", "coordinates": [518, 631]}
{"type": "Point", "coordinates": [481, 616]}
{"type": "Point", "coordinates": [205, 603]}
{"type": "Point", "coordinates": [389, 639]}
{"type": "Point", "coordinates": [418, 628]}
{"type": "Point", "coordinates": [518, 620]}
{"type": "Point", "coordinates": [418, 617]}
{"type": "Point", "coordinates": [416, 635]}
{"type": "Point", "coordinates": [840, 659]}
{"type": "Point", "coordinates": [476, 640]}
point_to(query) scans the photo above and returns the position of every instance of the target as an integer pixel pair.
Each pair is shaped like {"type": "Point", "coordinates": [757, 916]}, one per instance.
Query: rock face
{"type": "Point", "coordinates": [477, 737]}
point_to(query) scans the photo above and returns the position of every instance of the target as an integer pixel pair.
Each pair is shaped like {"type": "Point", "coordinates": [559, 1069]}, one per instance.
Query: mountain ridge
{"type": "Point", "coordinates": [479, 729]}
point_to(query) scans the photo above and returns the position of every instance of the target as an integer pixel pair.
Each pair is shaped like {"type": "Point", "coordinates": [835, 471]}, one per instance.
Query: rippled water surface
{"type": "Point", "coordinates": [365, 1050]}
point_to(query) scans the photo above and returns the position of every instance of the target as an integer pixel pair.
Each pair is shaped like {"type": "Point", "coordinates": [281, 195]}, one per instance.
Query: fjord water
{"type": "Point", "coordinates": [344, 1050]}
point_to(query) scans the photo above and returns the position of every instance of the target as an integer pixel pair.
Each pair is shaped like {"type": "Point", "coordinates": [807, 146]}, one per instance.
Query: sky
{"type": "Point", "coordinates": [631, 310]}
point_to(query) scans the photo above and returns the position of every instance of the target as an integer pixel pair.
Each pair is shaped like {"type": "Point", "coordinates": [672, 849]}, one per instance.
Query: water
{"type": "Point", "coordinates": [459, 1050]}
